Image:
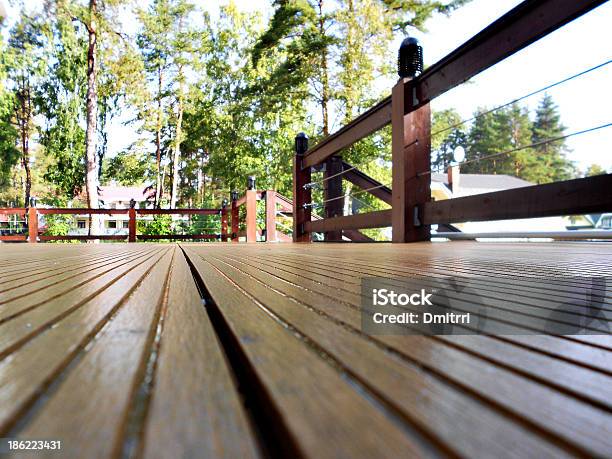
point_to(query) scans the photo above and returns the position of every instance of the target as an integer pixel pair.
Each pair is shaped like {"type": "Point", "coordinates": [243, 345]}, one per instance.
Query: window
{"type": "Point", "coordinates": [111, 224]}
{"type": "Point", "coordinates": [126, 224]}
{"type": "Point", "coordinates": [81, 224]}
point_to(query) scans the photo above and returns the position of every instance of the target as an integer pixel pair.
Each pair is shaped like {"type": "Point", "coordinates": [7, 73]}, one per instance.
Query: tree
{"type": "Point", "coordinates": [550, 163]}
{"type": "Point", "coordinates": [9, 153]}
{"type": "Point", "coordinates": [505, 141]}
{"type": "Point", "coordinates": [154, 46]}
{"type": "Point", "coordinates": [447, 135]}
{"type": "Point", "coordinates": [335, 48]}
{"type": "Point", "coordinates": [127, 169]}
{"type": "Point", "coordinates": [594, 169]}
{"type": "Point", "coordinates": [62, 102]}
{"type": "Point", "coordinates": [91, 117]}
{"type": "Point", "coordinates": [167, 44]}
{"type": "Point", "coordinates": [24, 69]}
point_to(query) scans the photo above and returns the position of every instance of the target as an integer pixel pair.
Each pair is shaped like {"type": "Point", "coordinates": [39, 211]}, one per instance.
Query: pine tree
{"type": "Point", "coordinates": [25, 67]}
{"type": "Point", "coordinates": [549, 163]}
{"type": "Point", "coordinates": [447, 136]}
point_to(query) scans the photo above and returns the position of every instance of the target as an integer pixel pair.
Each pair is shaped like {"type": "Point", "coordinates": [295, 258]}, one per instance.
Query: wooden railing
{"type": "Point", "coordinates": [275, 203]}
{"type": "Point", "coordinates": [35, 233]}
{"type": "Point", "coordinates": [408, 112]}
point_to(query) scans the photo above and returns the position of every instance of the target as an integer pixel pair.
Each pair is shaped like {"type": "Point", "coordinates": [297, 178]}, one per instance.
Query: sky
{"type": "Point", "coordinates": [583, 103]}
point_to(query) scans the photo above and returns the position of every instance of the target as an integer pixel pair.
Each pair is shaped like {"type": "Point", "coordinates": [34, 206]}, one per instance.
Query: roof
{"type": "Point", "coordinates": [114, 193]}
{"type": "Point", "coordinates": [485, 181]}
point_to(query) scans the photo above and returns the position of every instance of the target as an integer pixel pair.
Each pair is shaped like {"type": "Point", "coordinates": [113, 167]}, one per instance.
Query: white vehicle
{"type": "Point", "coordinates": [605, 222]}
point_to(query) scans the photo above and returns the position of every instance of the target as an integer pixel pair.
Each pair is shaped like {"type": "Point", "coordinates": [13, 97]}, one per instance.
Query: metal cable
{"type": "Point", "coordinates": [523, 147]}
{"type": "Point", "coordinates": [514, 150]}
{"type": "Point", "coordinates": [552, 85]}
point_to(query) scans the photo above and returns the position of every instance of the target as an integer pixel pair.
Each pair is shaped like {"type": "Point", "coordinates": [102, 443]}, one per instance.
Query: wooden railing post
{"type": "Point", "coordinates": [334, 205]}
{"type": "Point", "coordinates": [301, 196]}
{"type": "Point", "coordinates": [411, 164]}
{"type": "Point", "coordinates": [235, 216]}
{"type": "Point", "coordinates": [251, 215]}
{"type": "Point", "coordinates": [132, 222]}
{"type": "Point", "coordinates": [32, 224]}
{"type": "Point", "coordinates": [224, 221]}
{"type": "Point", "coordinates": [271, 216]}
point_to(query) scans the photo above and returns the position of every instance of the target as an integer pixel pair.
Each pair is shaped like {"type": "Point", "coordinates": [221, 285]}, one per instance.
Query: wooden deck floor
{"type": "Point", "coordinates": [243, 350]}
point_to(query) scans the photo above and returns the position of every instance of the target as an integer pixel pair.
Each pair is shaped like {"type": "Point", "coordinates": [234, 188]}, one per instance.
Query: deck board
{"type": "Point", "coordinates": [558, 399]}
{"type": "Point", "coordinates": [248, 350]}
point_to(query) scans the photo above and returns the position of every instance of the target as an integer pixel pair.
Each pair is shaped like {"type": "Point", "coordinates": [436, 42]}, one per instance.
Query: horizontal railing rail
{"type": "Point", "coordinates": [15, 230]}
{"type": "Point", "coordinates": [36, 233]}
{"type": "Point", "coordinates": [407, 110]}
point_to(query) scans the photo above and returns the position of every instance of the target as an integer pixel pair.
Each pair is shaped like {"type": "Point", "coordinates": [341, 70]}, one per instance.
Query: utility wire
{"type": "Point", "coordinates": [524, 147]}
{"type": "Point", "coordinates": [501, 153]}
{"type": "Point", "coordinates": [479, 115]}
{"type": "Point", "coordinates": [552, 85]}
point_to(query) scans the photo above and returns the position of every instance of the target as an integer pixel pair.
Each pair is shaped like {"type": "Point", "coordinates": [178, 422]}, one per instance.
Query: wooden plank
{"type": "Point", "coordinates": [92, 406]}
{"type": "Point", "coordinates": [151, 237]}
{"type": "Point", "coordinates": [333, 204]}
{"type": "Point", "coordinates": [78, 237]}
{"type": "Point", "coordinates": [32, 368]}
{"type": "Point", "coordinates": [235, 222]}
{"type": "Point", "coordinates": [497, 385]}
{"type": "Point", "coordinates": [580, 355]}
{"type": "Point", "coordinates": [411, 157]}
{"type": "Point", "coordinates": [35, 278]}
{"type": "Point", "coordinates": [297, 380]}
{"type": "Point", "coordinates": [302, 199]}
{"type": "Point", "coordinates": [32, 225]}
{"type": "Point", "coordinates": [521, 26]}
{"type": "Point", "coordinates": [26, 316]}
{"type": "Point", "coordinates": [376, 219]}
{"type": "Point", "coordinates": [13, 211]}
{"type": "Point", "coordinates": [571, 197]}
{"type": "Point", "coordinates": [81, 211]}
{"type": "Point", "coordinates": [357, 236]}
{"type": "Point", "coordinates": [370, 121]}
{"type": "Point", "coordinates": [178, 211]}
{"type": "Point", "coordinates": [465, 426]}
{"type": "Point", "coordinates": [271, 200]}
{"type": "Point", "coordinates": [14, 238]}
{"type": "Point", "coordinates": [251, 215]}
{"type": "Point", "coordinates": [132, 225]}
{"type": "Point", "coordinates": [195, 409]}
{"type": "Point", "coordinates": [363, 181]}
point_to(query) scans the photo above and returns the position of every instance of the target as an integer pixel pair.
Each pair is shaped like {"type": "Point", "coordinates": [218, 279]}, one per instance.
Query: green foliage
{"type": "Point", "coordinates": [161, 224]}
{"type": "Point", "coordinates": [550, 163]}
{"type": "Point", "coordinates": [447, 135]}
{"type": "Point", "coordinates": [493, 134]}
{"type": "Point", "coordinates": [58, 225]}
{"type": "Point", "coordinates": [594, 169]}
{"type": "Point", "coordinates": [126, 169]}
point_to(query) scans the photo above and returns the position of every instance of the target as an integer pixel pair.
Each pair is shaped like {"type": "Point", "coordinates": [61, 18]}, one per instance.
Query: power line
{"type": "Point", "coordinates": [506, 152]}
{"type": "Point", "coordinates": [524, 147]}
{"type": "Point", "coordinates": [533, 93]}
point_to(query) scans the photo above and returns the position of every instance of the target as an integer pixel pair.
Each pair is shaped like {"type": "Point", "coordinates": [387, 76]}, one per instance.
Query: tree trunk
{"type": "Point", "coordinates": [158, 185]}
{"type": "Point", "coordinates": [25, 107]}
{"type": "Point", "coordinates": [177, 147]}
{"type": "Point", "coordinates": [91, 160]}
{"type": "Point", "coordinates": [324, 76]}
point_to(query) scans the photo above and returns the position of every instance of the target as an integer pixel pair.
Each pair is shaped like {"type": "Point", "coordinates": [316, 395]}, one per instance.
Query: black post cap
{"type": "Point", "coordinates": [301, 143]}
{"type": "Point", "coordinates": [410, 58]}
